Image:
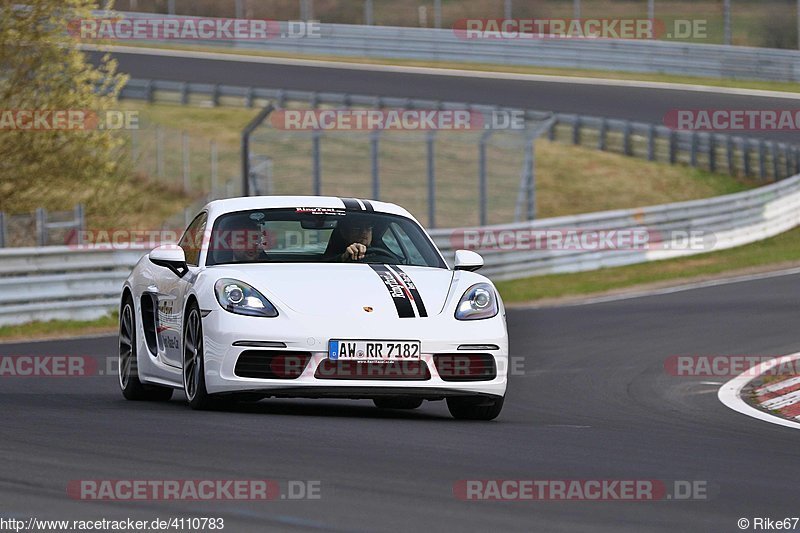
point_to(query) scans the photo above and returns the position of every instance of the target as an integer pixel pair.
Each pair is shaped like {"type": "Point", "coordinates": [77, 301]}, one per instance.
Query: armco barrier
{"type": "Point", "coordinates": [62, 282]}
{"type": "Point", "coordinates": [426, 44]}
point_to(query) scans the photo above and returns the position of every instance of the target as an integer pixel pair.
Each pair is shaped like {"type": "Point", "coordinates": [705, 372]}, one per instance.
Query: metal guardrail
{"type": "Point", "coordinates": [63, 282]}
{"type": "Point", "coordinates": [426, 44]}
{"type": "Point", "coordinates": [716, 152]}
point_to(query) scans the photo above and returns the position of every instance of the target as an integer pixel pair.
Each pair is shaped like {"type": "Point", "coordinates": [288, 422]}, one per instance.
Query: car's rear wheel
{"type": "Point", "coordinates": [475, 407]}
{"type": "Point", "coordinates": [399, 402]}
{"type": "Point", "coordinates": [194, 374]}
{"type": "Point", "coordinates": [132, 388]}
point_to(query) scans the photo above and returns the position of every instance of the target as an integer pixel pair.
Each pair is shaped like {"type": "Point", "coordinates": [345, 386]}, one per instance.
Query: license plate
{"type": "Point", "coordinates": [373, 351]}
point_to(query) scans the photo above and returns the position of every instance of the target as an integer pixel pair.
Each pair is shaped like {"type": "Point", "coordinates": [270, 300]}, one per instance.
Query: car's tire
{"type": "Point", "coordinates": [475, 407]}
{"type": "Point", "coordinates": [132, 388]}
{"type": "Point", "coordinates": [397, 402]}
{"type": "Point", "coordinates": [194, 374]}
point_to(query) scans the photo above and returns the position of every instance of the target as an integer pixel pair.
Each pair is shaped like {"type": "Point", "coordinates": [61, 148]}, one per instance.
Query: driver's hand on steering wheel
{"type": "Point", "coordinates": [354, 252]}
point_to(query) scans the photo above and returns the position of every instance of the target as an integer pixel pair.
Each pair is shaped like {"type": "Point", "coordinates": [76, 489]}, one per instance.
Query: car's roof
{"type": "Point", "coordinates": [220, 207]}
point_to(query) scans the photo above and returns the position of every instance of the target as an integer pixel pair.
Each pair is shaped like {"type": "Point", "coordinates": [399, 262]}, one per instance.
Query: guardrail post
{"type": "Point", "coordinates": [368, 13]}
{"type": "Point", "coordinates": [551, 133]}
{"type": "Point", "coordinates": [482, 178]}
{"type": "Point", "coordinates": [508, 9]}
{"type": "Point", "coordinates": [239, 9]}
{"type": "Point", "coordinates": [214, 169]}
{"type": "Point", "coordinates": [171, 7]}
{"type": "Point", "coordinates": [249, 97]}
{"type": "Point", "coordinates": [374, 154]}
{"type": "Point", "coordinates": [306, 10]}
{"type": "Point", "coordinates": [651, 143]}
{"type": "Point", "coordinates": [712, 152]}
{"type": "Point", "coordinates": [673, 147]}
{"type": "Point", "coordinates": [530, 182]}
{"type": "Point", "coordinates": [41, 227]}
{"type": "Point", "coordinates": [2, 229]}
{"type": "Point", "coordinates": [149, 92]}
{"type": "Point", "coordinates": [693, 157]}
{"type": "Point", "coordinates": [159, 152]}
{"type": "Point", "coordinates": [602, 134]}
{"type": "Point", "coordinates": [80, 223]}
{"type": "Point", "coordinates": [317, 166]}
{"type": "Point", "coordinates": [762, 163]}
{"type": "Point", "coordinates": [726, 7]}
{"type": "Point", "coordinates": [729, 151]}
{"type": "Point", "coordinates": [215, 95]}
{"type": "Point", "coordinates": [787, 160]}
{"type": "Point", "coordinates": [576, 131]}
{"type": "Point", "coordinates": [437, 13]}
{"type": "Point", "coordinates": [184, 93]}
{"type": "Point", "coordinates": [627, 146]}
{"type": "Point", "coordinates": [134, 145]}
{"type": "Point", "coordinates": [796, 160]}
{"type": "Point", "coordinates": [773, 150]}
{"type": "Point", "coordinates": [431, 142]}
{"type": "Point", "coordinates": [747, 163]}
{"type": "Point", "coordinates": [186, 164]}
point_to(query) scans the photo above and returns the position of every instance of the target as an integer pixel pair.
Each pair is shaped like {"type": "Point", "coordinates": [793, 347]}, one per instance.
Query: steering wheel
{"type": "Point", "coordinates": [375, 252]}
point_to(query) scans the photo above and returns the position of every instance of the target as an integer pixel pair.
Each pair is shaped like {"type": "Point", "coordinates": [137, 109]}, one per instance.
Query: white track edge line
{"type": "Point", "coordinates": [730, 393]}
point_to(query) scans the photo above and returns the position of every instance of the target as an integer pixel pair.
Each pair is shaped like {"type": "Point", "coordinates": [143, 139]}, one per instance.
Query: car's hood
{"type": "Point", "coordinates": [347, 289]}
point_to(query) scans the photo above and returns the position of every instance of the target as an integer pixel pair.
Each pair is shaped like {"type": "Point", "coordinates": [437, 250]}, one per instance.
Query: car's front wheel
{"type": "Point", "coordinates": [400, 402]}
{"type": "Point", "coordinates": [132, 388]}
{"type": "Point", "coordinates": [194, 374]}
{"type": "Point", "coordinates": [475, 407]}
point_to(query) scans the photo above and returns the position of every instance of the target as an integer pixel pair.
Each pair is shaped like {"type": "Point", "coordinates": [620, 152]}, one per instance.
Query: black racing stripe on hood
{"type": "Point", "coordinates": [352, 203]}
{"type": "Point", "coordinates": [396, 291]}
{"type": "Point", "coordinates": [412, 288]}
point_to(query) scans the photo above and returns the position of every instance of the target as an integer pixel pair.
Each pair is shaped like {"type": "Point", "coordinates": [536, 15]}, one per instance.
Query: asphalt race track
{"type": "Point", "coordinates": [640, 104]}
{"type": "Point", "coordinates": [594, 402]}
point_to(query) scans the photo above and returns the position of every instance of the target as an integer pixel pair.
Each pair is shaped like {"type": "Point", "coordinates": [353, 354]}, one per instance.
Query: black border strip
{"type": "Point", "coordinates": [368, 205]}
{"type": "Point", "coordinates": [412, 287]}
{"type": "Point", "coordinates": [402, 304]}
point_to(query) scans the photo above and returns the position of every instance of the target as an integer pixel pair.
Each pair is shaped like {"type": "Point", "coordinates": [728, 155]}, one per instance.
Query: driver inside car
{"type": "Point", "coordinates": [350, 240]}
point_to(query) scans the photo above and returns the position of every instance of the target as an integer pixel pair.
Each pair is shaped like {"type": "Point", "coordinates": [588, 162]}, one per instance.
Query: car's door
{"type": "Point", "coordinates": [171, 294]}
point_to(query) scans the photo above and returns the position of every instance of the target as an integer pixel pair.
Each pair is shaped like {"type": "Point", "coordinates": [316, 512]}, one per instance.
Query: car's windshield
{"type": "Point", "coordinates": [319, 235]}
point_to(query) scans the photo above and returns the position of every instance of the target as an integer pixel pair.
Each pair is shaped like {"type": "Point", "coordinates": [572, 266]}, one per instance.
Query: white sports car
{"type": "Point", "coordinates": [315, 297]}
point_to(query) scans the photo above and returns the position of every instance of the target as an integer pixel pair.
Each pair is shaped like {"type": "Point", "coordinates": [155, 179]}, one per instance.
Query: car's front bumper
{"type": "Point", "coordinates": [437, 335]}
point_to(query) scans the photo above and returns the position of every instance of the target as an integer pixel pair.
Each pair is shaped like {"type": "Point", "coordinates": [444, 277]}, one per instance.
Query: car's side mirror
{"type": "Point", "coordinates": [468, 260]}
{"type": "Point", "coordinates": [170, 256]}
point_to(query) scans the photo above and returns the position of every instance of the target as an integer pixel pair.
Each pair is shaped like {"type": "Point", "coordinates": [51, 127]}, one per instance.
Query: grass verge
{"type": "Point", "coordinates": [56, 329]}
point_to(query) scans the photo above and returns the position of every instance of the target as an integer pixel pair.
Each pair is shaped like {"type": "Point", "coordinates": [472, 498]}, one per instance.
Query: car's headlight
{"type": "Point", "coordinates": [480, 301]}
{"type": "Point", "coordinates": [240, 298]}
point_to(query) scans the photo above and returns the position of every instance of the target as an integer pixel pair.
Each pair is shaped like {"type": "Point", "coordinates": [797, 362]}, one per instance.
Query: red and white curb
{"type": "Point", "coordinates": [782, 396]}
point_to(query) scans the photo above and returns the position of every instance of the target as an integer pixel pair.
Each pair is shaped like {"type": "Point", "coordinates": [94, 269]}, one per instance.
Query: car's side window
{"type": "Point", "coordinates": [192, 239]}
{"type": "Point", "coordinates": [404, 245]}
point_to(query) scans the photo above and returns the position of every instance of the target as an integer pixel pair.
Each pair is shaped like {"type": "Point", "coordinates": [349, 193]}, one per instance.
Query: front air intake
{"type": "Point", "coordinates": [271, 364]}
{"type": "Point", "coordinates": [465, 366]}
